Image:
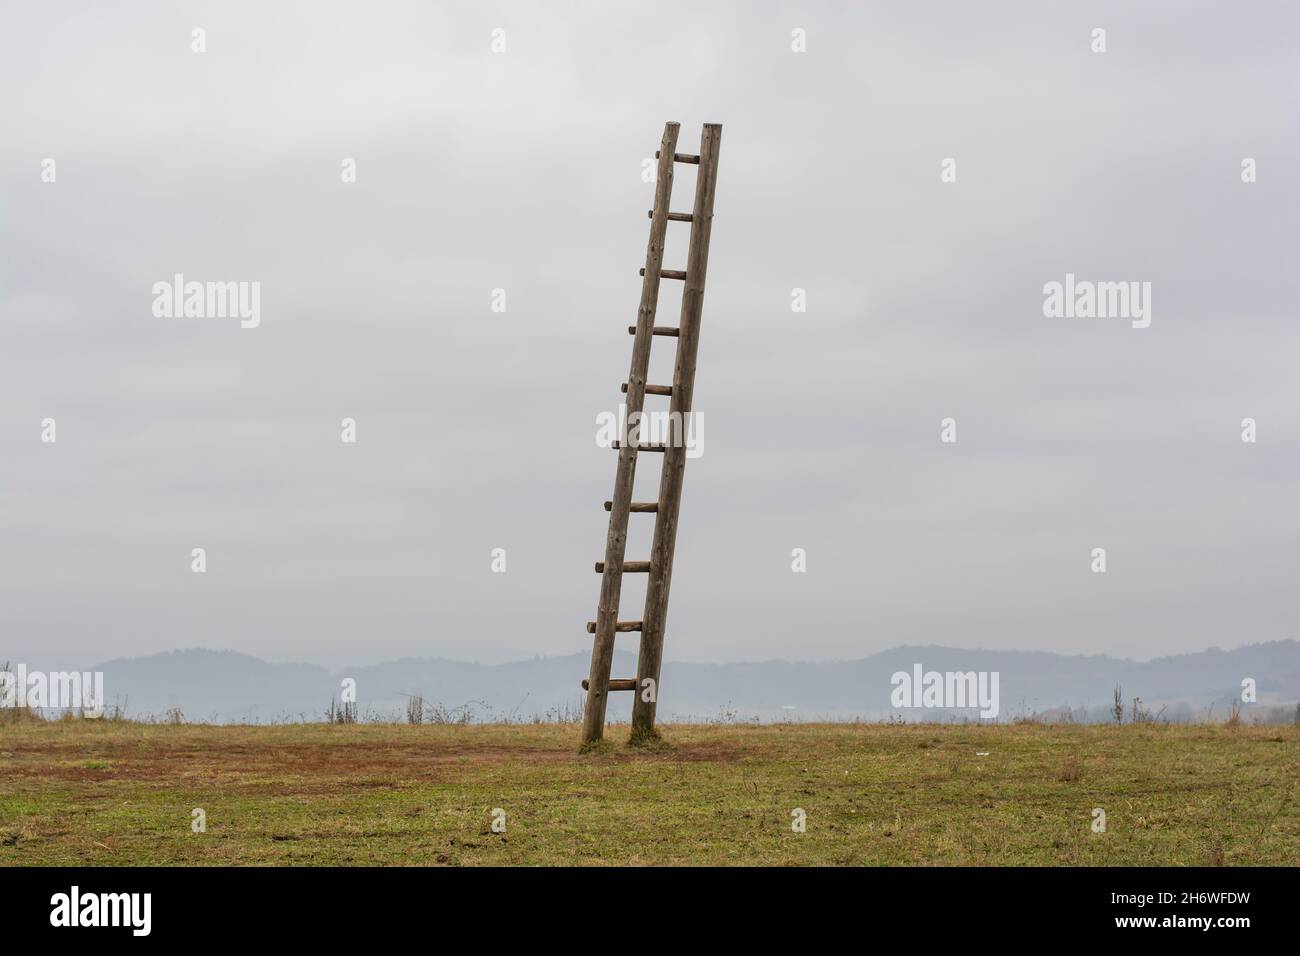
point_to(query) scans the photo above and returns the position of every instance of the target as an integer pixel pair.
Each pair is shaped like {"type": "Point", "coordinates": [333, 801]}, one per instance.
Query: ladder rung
{"type": "Point", "coordinates": [637, 506]}
{"type": "Point", "coordinates": [630, 567]}
{"type": "Point", "coordinates": [620, 626]}
{"type": "Point", "coordinates": [683, 158]}
{"type": "Point", "coordinates": [674, 216]}
{"type": "Point", "coordinates": [658, 330]}
{"type": "Point", "coordinates": [668, 273]}
{"type": "Point", "coordinates": [616, 683]}
{"type": "Point", "coordinates": [644, 446]}
{"type": "Point", "coordinates": [652, 389]}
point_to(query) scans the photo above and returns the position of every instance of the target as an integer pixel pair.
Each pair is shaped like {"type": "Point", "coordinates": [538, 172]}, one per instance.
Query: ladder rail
{"type": "Point", "coordinates": [611, 582]}
{"type": "Point", "coordinates": [650, 658]}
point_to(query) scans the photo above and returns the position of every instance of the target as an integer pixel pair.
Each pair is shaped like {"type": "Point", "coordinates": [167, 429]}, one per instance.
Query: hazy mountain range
{"type": "Point", "coordinates": [224, 686]}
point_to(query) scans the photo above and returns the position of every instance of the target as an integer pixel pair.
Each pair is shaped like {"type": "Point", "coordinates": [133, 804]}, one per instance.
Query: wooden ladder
{"type": "Point", "coordinates": [660, 566]}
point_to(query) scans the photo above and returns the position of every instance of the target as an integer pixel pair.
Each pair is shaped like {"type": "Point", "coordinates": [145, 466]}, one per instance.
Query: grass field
{"type": "Point", "coordinates": [102, 792]}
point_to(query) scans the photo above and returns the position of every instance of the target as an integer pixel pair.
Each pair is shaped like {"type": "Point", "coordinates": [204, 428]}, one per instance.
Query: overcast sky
{"type": "Point", "coordinates": [476, 430]}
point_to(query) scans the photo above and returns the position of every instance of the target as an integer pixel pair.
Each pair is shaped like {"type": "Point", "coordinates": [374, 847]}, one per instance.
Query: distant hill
{"type": "Point", "coordinates": [225, 686]}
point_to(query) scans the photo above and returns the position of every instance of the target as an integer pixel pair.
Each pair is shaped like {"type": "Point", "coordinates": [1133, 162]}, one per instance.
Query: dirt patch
{"type": "Point", "coordinates": [707, 752]}
{"type": "Point", "coordinates": [295, 767]}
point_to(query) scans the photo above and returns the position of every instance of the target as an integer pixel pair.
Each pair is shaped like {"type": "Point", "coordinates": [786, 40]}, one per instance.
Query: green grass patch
{"type": "Point", "coordinates": [87, 792]}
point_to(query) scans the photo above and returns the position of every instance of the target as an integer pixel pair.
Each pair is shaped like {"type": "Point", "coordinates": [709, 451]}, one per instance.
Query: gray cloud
{"type": "Point", "coordinates": [522, 171]}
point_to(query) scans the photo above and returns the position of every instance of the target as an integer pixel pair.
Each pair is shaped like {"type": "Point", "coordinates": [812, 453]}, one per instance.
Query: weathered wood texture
{"type": "Point", "coordinates": [615, 683]}
{"type": "Point", "coordinates": [644, 446]}
{"type": "Point", "coordinates": [618, 626]}
{"type": "Point", "coordinates": [606, 624]}
{"type": "Point", "coordinates": [667, 508]}
{"type": "Point", "coordinates": [653, 389]}
{"type": "Point", "coordinates": [650, 658]}
{"type": "Point", "coordinates": [629, 567]}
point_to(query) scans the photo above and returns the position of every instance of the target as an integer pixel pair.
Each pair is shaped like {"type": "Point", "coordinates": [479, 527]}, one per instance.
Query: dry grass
{"type": "Point", "coordinates": [76, 792]}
